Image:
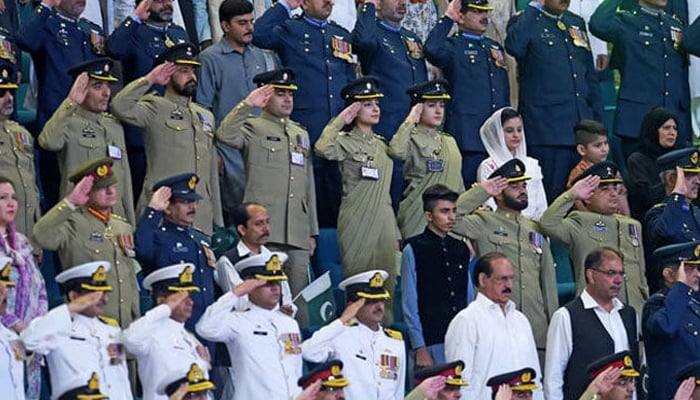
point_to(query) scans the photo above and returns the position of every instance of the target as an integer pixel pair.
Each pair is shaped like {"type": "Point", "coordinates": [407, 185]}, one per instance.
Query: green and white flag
{"type": "Point", "coordinates": [319, 298]}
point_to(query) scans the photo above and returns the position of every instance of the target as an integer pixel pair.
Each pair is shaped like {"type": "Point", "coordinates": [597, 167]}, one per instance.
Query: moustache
{"type": "Point", "coordinates": [248, 33]}
{"type": "Point", "coordinates": [616, 287]}
{"type": "Point", "coordinates": [484, 21]}
{"type": "Point", "coordinates": [507, 290]}
{"type": "Point", "coordinates": [266, 234]}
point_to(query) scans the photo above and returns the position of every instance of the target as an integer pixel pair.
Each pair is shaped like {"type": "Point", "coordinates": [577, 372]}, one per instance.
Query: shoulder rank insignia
{"type": "Point", "coordinates": [393, 334]}
{"type": "Point", "coordinates": [109, 321]}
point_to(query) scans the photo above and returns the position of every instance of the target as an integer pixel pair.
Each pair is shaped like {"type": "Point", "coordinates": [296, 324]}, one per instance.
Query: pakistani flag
{"type": "Point", "coordinates": [319, 298]}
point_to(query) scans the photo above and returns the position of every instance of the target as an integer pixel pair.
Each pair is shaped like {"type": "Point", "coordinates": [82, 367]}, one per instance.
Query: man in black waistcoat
{"type": "Point", "coordinates": [592, 326]}
{"type": "Point", "coordinates": [432, 294]}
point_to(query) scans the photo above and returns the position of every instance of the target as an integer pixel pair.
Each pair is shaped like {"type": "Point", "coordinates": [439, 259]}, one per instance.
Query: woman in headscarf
{"type": "Point", "coordinates": [27, 299]}
{"type": "Point", "coordinates": [657, 135]}
{"type": "Point", "coordinates": [430, 157]}
{"type": "Point", "coordinates": [503, 136]}
{"type": "Point", "coordinates": [367, 232]}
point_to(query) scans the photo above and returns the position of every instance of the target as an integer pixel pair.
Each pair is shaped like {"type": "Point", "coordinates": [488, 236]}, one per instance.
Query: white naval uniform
{"type": "Point", "coordinates": [11, 365]}
{"type": "Point", "coordinates": [75, 348]}
{"type": "Point", "coordinates": [264, 346]}
{"type": "Point", "coordinates": [163, 348]}
{"type": "Point", "coordinates": [373, 361]}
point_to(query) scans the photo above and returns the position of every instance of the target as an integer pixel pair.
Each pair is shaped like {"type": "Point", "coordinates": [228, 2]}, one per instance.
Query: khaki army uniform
{"type": "Point", "coordinates": [280, 177]}
{"type": "Point", "coordinates": [521, 240]}
{"type": "Point", "coordinates": [17, 164]}
{"type": "Point", "coordinates": [79, 236]}
{"type": "Point", "coordinates": [179, 138]}
{"type": "Point", "coordinates": [79, 135]}
{"type": "Point", "coordinates": [430, 157]}
{"type": "Point", "coordinates": [585, 231]}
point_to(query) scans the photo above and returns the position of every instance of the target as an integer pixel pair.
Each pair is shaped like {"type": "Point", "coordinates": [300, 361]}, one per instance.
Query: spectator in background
{"type": "Point", "coordinates": [657, 136]}
{"type": "Point", "coordinates": [226, 78]}
{"type": "Point", "coordinates": [503, 137]}
{"type": "Point", "coordinates": [12, 372]}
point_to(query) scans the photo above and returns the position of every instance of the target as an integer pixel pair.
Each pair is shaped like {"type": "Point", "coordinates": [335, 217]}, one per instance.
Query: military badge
{"type": "Point", "coordinates": [126, 243]}
{"type": "Point", "coordinates": [98, 42]}
{"type": "Point", "coordinates": [292, 343]}
{"type": "Point", "coordinates": [579, 37]}
{"type": "Point", "coordinates": [537, 240]}
{"type": "Point", "coordinates": [677, 37]}
{"type": "Point", "coordinates": [498, 58]}
{"type": "Point", "coordinates": [414, 48]}
{"type": "Point", "coordinates": [342, 49]}
{"type": "Point", "coordinates": [389, 366]}
{"type": "Point", "coordinates": [634, 234]}
{"type": "Point", "coordinates": [18, 350]}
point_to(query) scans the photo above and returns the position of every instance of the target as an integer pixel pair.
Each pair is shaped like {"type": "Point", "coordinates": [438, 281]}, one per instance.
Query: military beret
{"type": "Point", "coordinates": [688, 370]}
{"type": "Point", "coordinates": [431, 90]}
{"type": "Point", "coordinates": [451, 371]}
{"type": "Point", "coordinates": [182, 186]}
{"type": "Point", "coordinates": [606, 170]}
{"type": "Point", "coordinates": [90, 391]}
{"type": "Point", "coordinates": [98, 68]}
{"type": "Point", "coordinates": [182, 53]}
{"type": "Point", "coordinates": [5, 269]}
{"type": "Point", "coordinates": [687, 159]}
{"type": "Point", "coordinates": [622, 360]}
{"type": "Point", "coordinates": [519, 381]}
{"type": "Point", "coordinates": [328, 372]}
{"type": "Point", "coordinates": [279, 78]}
{"type": "Point", "coordinates": [90, 276]}
{"type": "Point", "coordinates": [177, 278]}
{"type": "Point", "coordinates": [267, 266]}
{"type": "Point", "coordinates": [366, 285]}
{"type": "Point", "coordinates": [8, 78]}
{"type": "Point", "coordinates": [100, 169]}
{"type": "Point", "coordinates": [513, 170]}
{"type": "Point", "coordinates": [360, 89]}
{"type": "Point", "coordinates": [194, 377]}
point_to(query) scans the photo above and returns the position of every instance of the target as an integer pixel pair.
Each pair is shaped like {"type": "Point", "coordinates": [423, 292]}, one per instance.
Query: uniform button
{"type": "Point", "coordinates": [571, 57]}
{"type": "Point", "coordinates": [204, 289]}
{"type": "Point", "coordinates": [121, 281]}
{"type": "Point", "coordinates": [291, 178]}
{"type": "Point", "coordinates": [522, 287]}
{"type": "Point", "coordinates": [454, 308]}
{"type": "Point", "coordinates": [575, 75]}
{"type": "Point", "coordinates": [330, 95]}
{"type": "Point", "coordinates": [413, 68]}
{"type": "Point", "coordinates": [197, 157]}
{"type": "Point", "coordinates": [491, 74]}
{"type": "Point", "coordinates": [306, 50]}
{"type": "Point", "coordinates": [665, 93]}
{"type": "Point", "coordinates": [178, 128]}
{"type": "Point", "coordinates": [646, 43]}
{"type": "Point", "coordinates": [449, 279]}
{"type": "Point", "coordinates": [667, 74]}
{"type": "Point", "coordinates": [121, 300]}
{"type": "Point", "coordinates": [330, 78]}
{"type": "Point", "coordinates": [291, 195]}
{"type": "Point", "coordinates": [272, 150]}
{"type": "Point", "coordinates": [116, 262]}
{"type": "Point", "coordinates": [452, 293]}
{"type": "Point", "coordinates": [97, 251]}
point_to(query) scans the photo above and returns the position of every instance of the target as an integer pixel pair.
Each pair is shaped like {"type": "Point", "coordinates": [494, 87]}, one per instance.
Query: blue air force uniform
{"type": "Point", "coordinates": [671, 325]}
{"type": "Point", "coordinates": [652, 62]}
{"type": "Point", "coordinates": [56, 42]}
{"type": "Point", "coordinates": [474, 65]}
{"type": "Point", "coordinates": [558, 86]}
{"type": "Point", "coordinates": [395, 56]}
{"type": "Point", "coordinates": [691, 38]}
{"type": "Point", "coordinates": [320, 53]}
{"type": "Point", "coordinates": [160, 243]}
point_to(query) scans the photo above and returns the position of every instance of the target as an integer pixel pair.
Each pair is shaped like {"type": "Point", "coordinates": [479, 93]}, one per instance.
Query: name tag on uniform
{"type": "Point", "coordinates": [261, 333]}
{"type": "Point", "coordinates": [114, 152]}
{"type": "Point", "coordinates": [370, 173]}
{"type": "Point", "coordinates": [298, 158]}
{"type": "Point", "coordinates": [436, 165]}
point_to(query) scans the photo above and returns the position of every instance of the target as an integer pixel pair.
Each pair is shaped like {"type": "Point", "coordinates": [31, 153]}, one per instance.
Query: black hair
{"type": "Point", "coordinates": [483, 265]}
{"type": "Point", "coordinates": [240, 215]}
{"type": "Point", "coordinates": [435, 193]}
{"type": "Point", "coordinates": [509, 113]}
{"type": "Point", "coordinates": [588, 130]}
{"type": "Point", "coordinates": [233, 8]}
{"type": "Point", "coordinates": [649, 131]}
{"type": "Point", "coordinates": [595, 258]}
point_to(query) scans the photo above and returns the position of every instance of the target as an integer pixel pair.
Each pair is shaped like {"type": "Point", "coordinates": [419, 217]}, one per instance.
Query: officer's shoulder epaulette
{"type": "Point", "coordinates": [380, 137]}
{"type": "Point", "coordinates": [199, 231]}
{"type": "Point", "coordinates": [109, 321]}
{"type": "Point", "coordinates": [393, 334]}
{"type": "Point", "coordinates": [119, 217]}
{"type": "Point", "coordinates": [659, 205]}
{"type": "Point", "coordinates": [108, 115]}
{"type": "Point", "coordinates": [91, 24]}
{"type": "Point", "coordinates": [240, 310]}
{"type": "Point", "coordinates": [675, 18]}
{"type": "Point", "coordinates": [296, 17]}
{"type": "Point", "coordinates": [520, 12]}
{"type": "Point", "coordinates": [351, 323]}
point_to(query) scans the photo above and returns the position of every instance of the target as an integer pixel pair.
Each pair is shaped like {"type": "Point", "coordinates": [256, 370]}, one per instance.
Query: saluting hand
{"type": "Point", "coordinates": [377, 4]}
{"type": "Point", "coordinates": [415, 114]}
{"type": "Point", "coordinates": [504, 392]}
{"type": "Point", "coordinates": [311, 392]}
{"type": "Point", "coordinates": [584, 188]}
{"type": "Point", "coordinates": [81, 191]}
{"type": "Point", "coordinates": [453, 10]}
{"type": "Point", "coordinates": [351, 311]}
{"type": "Point", "coordinates": [260, 96]}
{"type": "Point", "coordinates": [685, 390]}
{"type": "Point", "coordinates": [494, 186]}
{"type": "Point", "coordinates": [79, 304]}
{"type": "Point", "coordinates": [160, 75]}
{"type": "Point", "coordinates": [681, 187]}
{"type": "Point", "coordinates": [161, 198]}
{"type": "Point", "coordinates": [432, 386]}
{"type": "Point", "coordinates": [248, 286]}
{"type": "Point", "coordinates": [79, 90]}
{"type": "Point", "coordinates": [143, 10]}
{"type": "Point", "coordinates": [175, 299]}
{"type": "Point", "coordinates": [350, 112]}
{"type": "Point", "coordinates": [52, 3]}
{"type": "Point", "coordinates": [181, 392]}
{"type": "Point", "coordinates": [294, 4]}
{"type": "Point", "coordinates": [604, 382]}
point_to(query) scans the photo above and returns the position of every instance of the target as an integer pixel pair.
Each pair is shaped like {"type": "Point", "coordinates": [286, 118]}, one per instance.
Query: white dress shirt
{"type": "Point", "coordinates": [560, 342]}
{"type": "Point", "coordinates": [163, 348]}
{"type": "Point", "coordinates": [11, 365]}
{"type": "Point", "coordinates": [490, 342]}
{"type": "Point", "coordinates": [264, 346]}
{"type": "Point", "coordinates": [373, 361]}
{"type": "Point", "coordinates": [75, 347]}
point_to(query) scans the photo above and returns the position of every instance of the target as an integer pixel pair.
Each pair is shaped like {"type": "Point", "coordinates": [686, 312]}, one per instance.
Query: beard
{"type": "Point", "coordinates": [189, 89]}
{"type": "Point", "coordinates": [515, 204]}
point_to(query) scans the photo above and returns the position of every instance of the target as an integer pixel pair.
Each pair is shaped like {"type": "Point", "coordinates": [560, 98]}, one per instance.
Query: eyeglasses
{"type": "Point", "coordinates": [610, 273]}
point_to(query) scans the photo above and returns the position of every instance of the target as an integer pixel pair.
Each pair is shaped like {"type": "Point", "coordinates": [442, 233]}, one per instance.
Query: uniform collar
{"type": "Point", "coordinates": [157, 27]}
{"type": "Point", "coordinates": [65, 16]}
{"type": "Point", "coordinates": [650, 11]}
{"type": "Point", "coordinates": [87, 114]}
{"type": "Point", "coordinates": [318, 23]}
{"type": "Point", "coordinates": [259, 309]}
{"type": "Point", "coordinates": [270, 117]}
{"type": "Point", "coordinates": [175, 227]}
{"type": "Point", "coordinates": [507, 214]}
{"type": "Point", "coordinates": [472, 36]}
{"type": "Point", "coordinates": [389, 26]}
{"type": "Point", "coordinates": [177, 98]}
